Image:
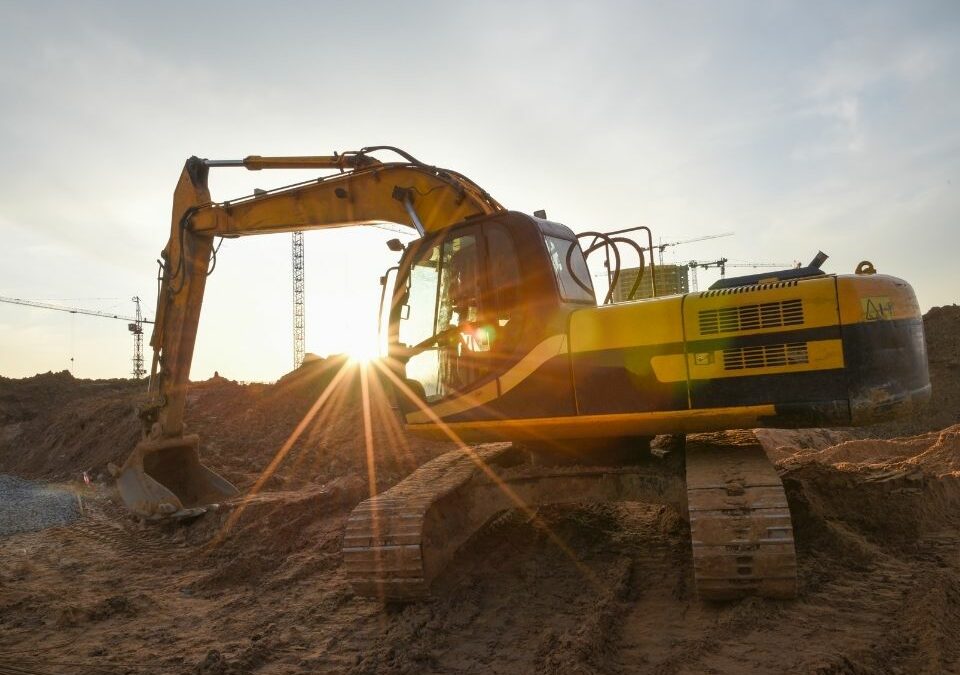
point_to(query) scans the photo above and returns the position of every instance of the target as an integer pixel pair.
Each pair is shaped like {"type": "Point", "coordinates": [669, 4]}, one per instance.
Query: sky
{"type": "Point", "coordinates": [796, 125]}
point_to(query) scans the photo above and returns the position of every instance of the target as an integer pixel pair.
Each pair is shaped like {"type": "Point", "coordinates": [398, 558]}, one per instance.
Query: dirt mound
{"type": "Point", "coordinates": [941, 326]}
{"type": "Point", "coordinates": [783, 443]}
{"type": "Point", "coordinates": [55, 427]}
{"type": "Point", "coordinates": [261, 589]}
{"type": "Point", "coordinates": [936, 454]}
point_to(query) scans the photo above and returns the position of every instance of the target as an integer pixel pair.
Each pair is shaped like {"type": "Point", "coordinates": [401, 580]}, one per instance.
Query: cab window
{"type": "Point", "coordinates": [442, 317]}
{"type": "Point", "coordinates": [418, 319]}
{"type": "Point", "coordinates": [570, 290]}
{"type": "Point", "coordinates": [459, 313]}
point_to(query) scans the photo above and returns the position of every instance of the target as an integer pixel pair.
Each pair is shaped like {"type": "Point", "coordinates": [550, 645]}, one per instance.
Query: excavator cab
{"type": "Point", "coordinates": [470, 302]}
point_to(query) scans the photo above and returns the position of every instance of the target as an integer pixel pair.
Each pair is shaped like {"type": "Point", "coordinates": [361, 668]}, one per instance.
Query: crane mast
{"type": "Point", "coordinates": [299, 314]}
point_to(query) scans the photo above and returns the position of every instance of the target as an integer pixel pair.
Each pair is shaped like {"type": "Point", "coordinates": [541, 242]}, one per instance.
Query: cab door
{"type": "Point", "coordinates": [441, 316]}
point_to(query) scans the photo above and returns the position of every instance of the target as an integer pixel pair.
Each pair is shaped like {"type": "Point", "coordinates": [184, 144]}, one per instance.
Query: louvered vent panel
{"type": "Point", "coordinates": [765, 356]}
{"type": "Point", "coordinates": [751, 317]}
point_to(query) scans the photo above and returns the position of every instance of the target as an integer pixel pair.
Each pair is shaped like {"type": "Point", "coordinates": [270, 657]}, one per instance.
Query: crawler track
{"type": "Point", "coordinates": [382, 545]}
{"type": "Point", "coordinates": [396, 543]}
{"type": "Point", "coordinates": [739, 523]}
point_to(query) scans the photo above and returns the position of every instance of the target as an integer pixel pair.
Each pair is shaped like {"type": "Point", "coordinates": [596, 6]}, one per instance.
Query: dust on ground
{"type": "Point", "coordinates": [877, 527]}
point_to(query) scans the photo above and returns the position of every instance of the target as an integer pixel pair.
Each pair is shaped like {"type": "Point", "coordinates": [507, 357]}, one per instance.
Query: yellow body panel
{"type": "Point", "coordinates": [794, 329]}
{"type": "Point", "coordinates": [669, 367]}
{"type": "Point", "coordinates": [555, 345]}
{"type": "Point", "coordinates": [875, 297]}
{"type": "Point", "coordinates": [598, 426]}
{"type": "Point", "coordinates": [822, 355]}
{"type": "Point", "coordinates": [818, 296]}
{"type": "Point", "coordinates": [634, 324]}
{"type": "Point", "coordinates": [479, 396]}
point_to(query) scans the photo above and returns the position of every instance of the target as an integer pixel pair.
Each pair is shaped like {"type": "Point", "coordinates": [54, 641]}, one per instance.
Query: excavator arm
{"type": "Point", "coordinates": [163, 476]}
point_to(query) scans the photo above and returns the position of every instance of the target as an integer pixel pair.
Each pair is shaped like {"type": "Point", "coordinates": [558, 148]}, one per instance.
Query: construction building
{"type": "Point", "coordinates": [671, 279]}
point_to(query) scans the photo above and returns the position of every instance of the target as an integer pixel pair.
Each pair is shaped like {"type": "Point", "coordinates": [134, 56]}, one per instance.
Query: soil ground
{"type": "Point", "coordinates": [260, 589]}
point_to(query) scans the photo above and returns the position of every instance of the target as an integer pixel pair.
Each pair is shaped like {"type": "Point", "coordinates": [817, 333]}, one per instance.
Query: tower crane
{"type": "Point", "coordinates": [694, 264]}
{"type": "Point", "coordinates": [134, 325]}
{"type": "Point", "coordinates": [757, 265]}
{"type": "Point", "coordinates": [724, 263]}
{"type": "Point", "coordinates": [661, 246]}
{"type": "Point", "coordinates": [299, 320]}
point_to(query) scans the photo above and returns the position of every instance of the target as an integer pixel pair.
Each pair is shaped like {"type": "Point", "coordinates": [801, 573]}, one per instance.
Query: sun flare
{"type": "Point", "coordinates": [363, 351]}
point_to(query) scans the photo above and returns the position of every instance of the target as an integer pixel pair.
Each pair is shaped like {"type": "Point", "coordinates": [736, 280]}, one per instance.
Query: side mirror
{"type": "Point", "coordinates": [396, 245]}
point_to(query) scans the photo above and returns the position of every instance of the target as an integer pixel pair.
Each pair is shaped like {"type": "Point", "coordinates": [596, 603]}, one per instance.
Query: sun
{"type": "Point", "coordinates": [363, 350]}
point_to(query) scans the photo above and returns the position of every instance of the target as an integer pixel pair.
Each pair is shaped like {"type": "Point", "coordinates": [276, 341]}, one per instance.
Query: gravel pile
{"type": "Point", "coordinates": [26, 506]}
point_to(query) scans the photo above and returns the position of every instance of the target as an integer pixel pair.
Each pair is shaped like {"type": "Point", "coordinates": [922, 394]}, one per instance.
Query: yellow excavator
{"type": "Point", "coordinates": [495, 333]}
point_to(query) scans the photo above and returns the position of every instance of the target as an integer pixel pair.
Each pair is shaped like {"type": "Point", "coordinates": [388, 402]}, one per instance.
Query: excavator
{"type": "Point", "coordinates": [496, 341]}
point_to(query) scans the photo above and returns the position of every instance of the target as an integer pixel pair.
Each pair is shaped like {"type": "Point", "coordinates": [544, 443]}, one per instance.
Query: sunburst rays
{"type": "Point", "coordinates": [375, 409]}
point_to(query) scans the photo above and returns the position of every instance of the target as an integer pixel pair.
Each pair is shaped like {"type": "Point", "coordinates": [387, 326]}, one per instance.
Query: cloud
{"type": "Point", "coordinates": [798, 125]}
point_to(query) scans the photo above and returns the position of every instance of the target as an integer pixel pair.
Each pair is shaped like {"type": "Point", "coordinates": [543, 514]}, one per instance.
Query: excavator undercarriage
{"type": "Point", "coordinates": [398, 542]}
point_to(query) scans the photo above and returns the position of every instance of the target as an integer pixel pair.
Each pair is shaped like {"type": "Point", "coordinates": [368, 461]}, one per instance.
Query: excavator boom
{"type": "Point", "coordinates": [163, 476]}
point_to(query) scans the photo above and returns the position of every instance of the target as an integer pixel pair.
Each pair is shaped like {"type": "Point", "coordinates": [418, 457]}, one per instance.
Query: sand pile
{"type": "Point", "coordinates": [878, 564]}
{"type": "Point", "coordinates": [56, 427]}
{"type": "Point", "coordinates": [260, 589]}
{"type": "Point", "coordinates": [941, 327]}
{"type": "Point", "coordinates": [935, 453]}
